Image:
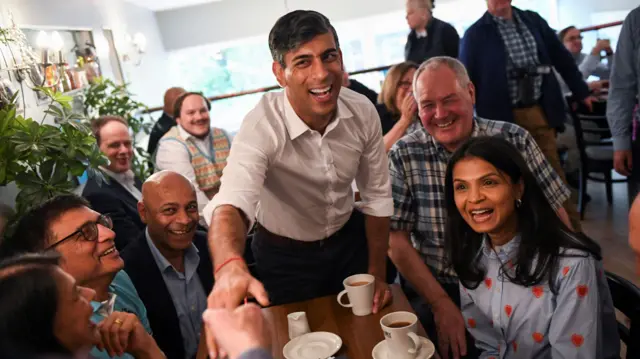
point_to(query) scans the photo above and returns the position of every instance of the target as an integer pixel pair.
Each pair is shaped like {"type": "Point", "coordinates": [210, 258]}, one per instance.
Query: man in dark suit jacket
{"type": "Point", "coordinates": [429, 37]}
{"type": "Point", "coordinates": [166, 121]}
{"type": "Point", "coordinates": [170, 264]}
{"type": "Point", "coordinates": [117, 196]}
{"type": "Point", "coordinates": [496, 65]}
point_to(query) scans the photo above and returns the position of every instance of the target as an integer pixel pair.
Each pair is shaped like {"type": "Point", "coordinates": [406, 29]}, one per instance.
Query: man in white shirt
{"type": "Point", "coordinates": [119, 196]}
{"type": "Point", "coordinates": [194, 149]}
{"type": "Point", "coordinates": [290, 173]}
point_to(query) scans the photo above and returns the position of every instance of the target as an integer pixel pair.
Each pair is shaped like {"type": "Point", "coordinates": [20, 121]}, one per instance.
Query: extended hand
{"type": "Point", "coordinates": [450, 327]}
{"type": "Point", "coordinates": [233, 284]}
{"type": "Point", "coordinates": [239, 330]}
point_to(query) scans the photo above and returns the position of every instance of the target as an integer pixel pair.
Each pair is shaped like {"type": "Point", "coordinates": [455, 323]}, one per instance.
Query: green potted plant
{"type": "Point", "coordinates": [45, 160]}
{"type": "Point", "coordinates": [104, 97]}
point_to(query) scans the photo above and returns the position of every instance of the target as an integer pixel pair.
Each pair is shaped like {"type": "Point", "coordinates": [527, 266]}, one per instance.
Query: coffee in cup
{"type": "Point", "coordinates": [400, 330]}
{"type": "Point", "coordinates": [360, 289]}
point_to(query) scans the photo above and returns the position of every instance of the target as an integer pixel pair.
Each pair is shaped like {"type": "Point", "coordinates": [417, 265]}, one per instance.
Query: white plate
{"type": "Point", "coordinates": [314, 345]}
{"type": "Point", "coordinates": [427, 349]}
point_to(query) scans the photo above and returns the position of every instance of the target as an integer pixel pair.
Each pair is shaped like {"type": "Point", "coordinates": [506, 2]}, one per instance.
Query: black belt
{"type": "Point", "coordinates": [281, 241]}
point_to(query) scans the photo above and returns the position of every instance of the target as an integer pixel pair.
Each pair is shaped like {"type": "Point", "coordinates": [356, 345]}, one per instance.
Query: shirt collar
{"type": "Point", "coordinates": [421, 33]}
{"type": "Point", "coordinates": [506, 251]}
{"type": "Point", "coordinates": [186, 135]}
{"type": "Point", "coordinates": [106, 307]}
{"type": "Point", "coordinates": [191, 258]}
{"type": "Point", "coordinates": [295, 125]}
{"type": "Point", "coordinates": [443, 152]}
{"type": "Point", "coordinates": [127, 177]}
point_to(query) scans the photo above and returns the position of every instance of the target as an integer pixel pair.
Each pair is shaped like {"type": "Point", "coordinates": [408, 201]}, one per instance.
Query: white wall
{"type": "Point", "coordinates": [148, 81]}
{"type": "Point", "coordinates": [236, 19]}
{"type": "Point", "coordinates": [579, 12]}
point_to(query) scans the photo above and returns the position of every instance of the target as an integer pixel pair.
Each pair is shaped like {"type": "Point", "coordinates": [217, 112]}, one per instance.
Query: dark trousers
{"type": "Point", "coordinates": [424, 313]}
{"type": "Point", "coordinates": [293, 270]}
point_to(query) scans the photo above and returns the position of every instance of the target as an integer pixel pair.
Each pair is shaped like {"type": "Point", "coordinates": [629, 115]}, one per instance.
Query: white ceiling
{"type": "Point", "coordinates": [159, 5]}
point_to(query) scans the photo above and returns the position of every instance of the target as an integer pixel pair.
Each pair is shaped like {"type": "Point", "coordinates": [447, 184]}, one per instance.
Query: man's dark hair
{"type": "Point", "coordinates": [177, 108]}
{"type": "Point", "coordinates": [98, 123]}
{"type": "Point", "coordinates": [563, 33]}
{"type": "Point", "coordinates": [297, 28]}
{"type": "Point", "coordinates": [32, 230]}
{"type": "Point", "coordinates": [28, 306]}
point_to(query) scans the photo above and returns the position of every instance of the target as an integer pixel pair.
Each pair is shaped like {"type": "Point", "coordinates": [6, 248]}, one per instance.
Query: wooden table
{"type": "Point", "coordinates": [359, 334]}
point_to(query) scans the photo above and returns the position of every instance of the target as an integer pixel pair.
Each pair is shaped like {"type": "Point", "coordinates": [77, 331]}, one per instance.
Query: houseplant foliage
{"type": "Point", "coordinates": [104, 97]}
{"type": "Point", "coordinates": [43, 160]}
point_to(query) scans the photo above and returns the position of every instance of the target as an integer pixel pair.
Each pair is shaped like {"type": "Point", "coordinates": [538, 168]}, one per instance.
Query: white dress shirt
{"type": "Point", "coordinates": [174, 156]}
{"type": "Point", "coordinates": [126, 180]}
{"type": "Point", "coordinates": [297, 182]}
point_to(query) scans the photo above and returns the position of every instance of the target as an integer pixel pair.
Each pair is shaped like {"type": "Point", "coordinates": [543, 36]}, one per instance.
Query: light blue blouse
{"type": "Point", "coordinates": [512, 321]}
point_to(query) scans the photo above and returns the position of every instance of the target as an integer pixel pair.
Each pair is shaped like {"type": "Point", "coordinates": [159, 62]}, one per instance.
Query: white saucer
{"type": "Point", "coordinates": [427, 349]}
{"type": "Point", "coordinates": [312, 345]}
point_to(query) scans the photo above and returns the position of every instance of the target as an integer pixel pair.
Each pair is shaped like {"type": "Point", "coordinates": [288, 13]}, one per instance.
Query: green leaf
{"type": "Point", "coordinates": [61, 174]}
{"type": "Point", "coordinates": [46, 169]}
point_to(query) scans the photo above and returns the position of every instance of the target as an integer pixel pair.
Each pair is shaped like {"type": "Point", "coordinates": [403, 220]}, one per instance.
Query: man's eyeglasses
{"type": "Point", "coordinates": [574, 38]}
{"type": "Point", "coordinates": [89, 230]}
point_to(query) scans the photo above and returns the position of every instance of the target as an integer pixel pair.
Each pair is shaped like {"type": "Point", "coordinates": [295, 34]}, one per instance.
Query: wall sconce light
{"type": "Point", "coordinates": [138, 46]}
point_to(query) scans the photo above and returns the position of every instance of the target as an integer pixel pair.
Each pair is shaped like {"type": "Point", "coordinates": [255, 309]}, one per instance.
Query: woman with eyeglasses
{"type": "Point", "coordinates": [529, 287]}
{"type": "Point", "coordinates": [397, 108]}
{"type": "Point", "coordinates": [84, 239]}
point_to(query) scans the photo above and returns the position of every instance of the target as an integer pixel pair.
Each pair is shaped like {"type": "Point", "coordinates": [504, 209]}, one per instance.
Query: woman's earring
{"type": "Point", "coordinates": [518, 203]}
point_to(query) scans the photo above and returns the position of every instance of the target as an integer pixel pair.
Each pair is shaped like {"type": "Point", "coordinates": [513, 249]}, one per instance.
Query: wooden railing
{"type": "Point", "coordinates": [373, 69]}
{"type": "Point", "coordinates": [269, 88]}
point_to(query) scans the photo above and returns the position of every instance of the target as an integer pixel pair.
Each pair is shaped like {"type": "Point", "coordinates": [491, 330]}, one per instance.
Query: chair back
{"type": "Point", "coordinates": [579, 115]}
{"type": "Point", "coordinates": [626, 299]}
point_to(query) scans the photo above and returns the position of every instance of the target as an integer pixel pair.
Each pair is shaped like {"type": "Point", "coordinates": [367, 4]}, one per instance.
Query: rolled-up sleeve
{"type": "Point", "coordinates": [403, 215]}
{"type": "Point", "coordinates": [372, 178]}
{"type": "Point", "coordinates": [243, 177]}
{"type": "Point", "coordinates": [623, 84]}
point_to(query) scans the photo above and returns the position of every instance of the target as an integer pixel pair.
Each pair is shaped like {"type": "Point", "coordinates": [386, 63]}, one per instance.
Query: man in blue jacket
{"type": "Point", "coordinates": [509, 54]}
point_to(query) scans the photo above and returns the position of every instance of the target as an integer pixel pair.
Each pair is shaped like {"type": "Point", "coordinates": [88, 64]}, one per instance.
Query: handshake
{"type": "Point", "coordinates": [237, 333]}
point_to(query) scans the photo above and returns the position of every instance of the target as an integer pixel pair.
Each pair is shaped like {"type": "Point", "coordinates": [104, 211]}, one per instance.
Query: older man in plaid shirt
{"type": "Point", "coordinates": [417, 163]}
{"type": "Point", "coordinates": [509, 54]}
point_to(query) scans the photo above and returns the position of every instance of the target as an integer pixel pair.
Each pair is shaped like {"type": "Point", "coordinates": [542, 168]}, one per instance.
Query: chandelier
{"type": "Point", "coordinates": [20, 63]}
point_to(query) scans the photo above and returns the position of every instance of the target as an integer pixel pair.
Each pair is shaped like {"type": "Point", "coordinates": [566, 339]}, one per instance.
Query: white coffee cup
{"type": "Point", "coordinates": [400, 330]}
{"type": "Point", "coordinates": [360, 289]}
{"type": "Point", "coordinates": [298, 324]}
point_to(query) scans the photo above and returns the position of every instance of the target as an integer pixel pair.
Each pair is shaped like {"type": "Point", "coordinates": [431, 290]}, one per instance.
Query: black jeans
{"type": "Point", "coordinates": [425, 315]}
{"type": "Point", "coordinates": [293, 270]}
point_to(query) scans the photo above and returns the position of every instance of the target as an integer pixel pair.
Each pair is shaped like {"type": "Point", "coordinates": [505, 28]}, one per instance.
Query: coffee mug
{"type": "Point", "coordinates": [400, 330]}
{"type": "Point", "coordinates": [360, 289]}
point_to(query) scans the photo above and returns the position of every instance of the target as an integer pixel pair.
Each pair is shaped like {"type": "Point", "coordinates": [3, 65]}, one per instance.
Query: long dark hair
{"type": "Point", "coordinates": [28, 305]}
{"type": "Point", "coordinates": [543, 235]}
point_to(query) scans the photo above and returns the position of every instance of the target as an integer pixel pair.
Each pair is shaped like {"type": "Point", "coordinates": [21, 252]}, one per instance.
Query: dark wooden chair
{"type": "Point", "coordinates": [626, 299]}
{"type": "Point", "coordinates": [596, 151]}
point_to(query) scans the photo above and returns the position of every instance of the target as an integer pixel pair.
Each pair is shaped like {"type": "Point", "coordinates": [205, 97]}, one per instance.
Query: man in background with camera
{"type": "Point", "coordinates": [509, 54]}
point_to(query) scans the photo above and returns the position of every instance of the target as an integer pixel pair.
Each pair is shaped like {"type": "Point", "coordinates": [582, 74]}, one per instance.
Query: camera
{"type": "Point", "coordinates": [525, 77]}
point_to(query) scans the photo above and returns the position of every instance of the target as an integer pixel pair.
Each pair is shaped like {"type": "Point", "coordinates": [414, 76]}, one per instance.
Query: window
{"type": "Point", "coordinates": [373, 41]}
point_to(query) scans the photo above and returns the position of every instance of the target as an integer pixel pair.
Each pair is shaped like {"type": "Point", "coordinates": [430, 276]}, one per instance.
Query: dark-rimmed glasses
{"type": "Point", "coordinates": [89, 230]}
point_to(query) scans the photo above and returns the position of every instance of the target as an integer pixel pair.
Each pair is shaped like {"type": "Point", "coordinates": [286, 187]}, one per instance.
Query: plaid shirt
{"type": "Point", "coordinates": [522, 52]}
{"type": "Point", "coordinates": [418, 164]}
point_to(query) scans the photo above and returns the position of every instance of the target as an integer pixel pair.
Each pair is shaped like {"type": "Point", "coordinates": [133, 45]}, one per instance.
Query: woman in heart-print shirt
{"type": "Point", "coordinates": [529, 286]}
